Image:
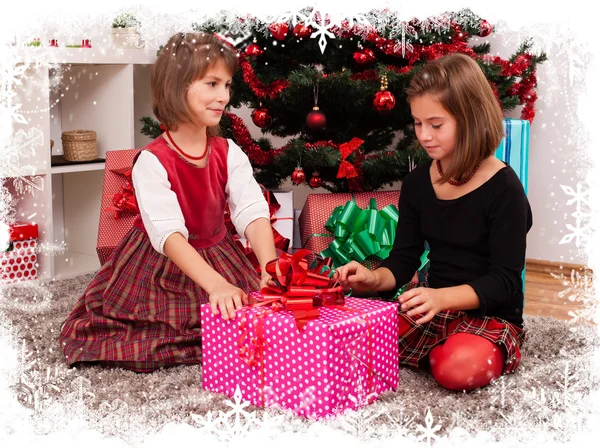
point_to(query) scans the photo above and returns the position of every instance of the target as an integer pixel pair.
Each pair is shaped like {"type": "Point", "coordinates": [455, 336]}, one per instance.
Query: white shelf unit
{"type": "Point", "coordinates": [106, 91]}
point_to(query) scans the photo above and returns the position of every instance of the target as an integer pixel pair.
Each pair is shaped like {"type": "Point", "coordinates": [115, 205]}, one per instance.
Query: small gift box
{"type": "Point", "coordinates": [19, 261]}
{"type": "Point", "coordinates": [118, 208]}
{"type": "Point", "coordinates": [349, 226]}
{"type": "Point", "coordinates": [281, 211]}
{"type": "Point", "coordinates": [301, 346]}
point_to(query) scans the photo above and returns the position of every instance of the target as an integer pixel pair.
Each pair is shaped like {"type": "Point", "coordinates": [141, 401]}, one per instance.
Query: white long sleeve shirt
{"type": "Point", "coordinates": [160, 210]}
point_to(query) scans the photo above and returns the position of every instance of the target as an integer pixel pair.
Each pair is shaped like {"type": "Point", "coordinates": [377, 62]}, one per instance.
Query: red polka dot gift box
{"type": "Point", "coordinates": [297, 348]}
{"type": "Point", "coordinates": [19, 262]}
{"type": "Point", "coordinates": [118, 210]}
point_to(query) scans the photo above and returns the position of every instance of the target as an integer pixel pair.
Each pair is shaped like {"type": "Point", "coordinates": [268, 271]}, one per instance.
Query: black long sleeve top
{"type": "Point", "coordinates": [478, 239]}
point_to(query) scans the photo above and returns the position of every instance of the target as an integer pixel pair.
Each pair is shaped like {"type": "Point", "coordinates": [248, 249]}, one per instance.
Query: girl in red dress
{"type": "Point", "coordinates": [142, 309]}
{"type": "Point", "coordinates": [467, 320]}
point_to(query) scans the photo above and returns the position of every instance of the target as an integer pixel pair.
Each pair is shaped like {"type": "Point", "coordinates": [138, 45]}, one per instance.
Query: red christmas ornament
{"type": "Point", "coordinates": [298, 175]}
{"type": "Point", "coordinates": [261, 117]}
{"type": "Point", "coordinates": [384, 100]}
{"type": "Point", "coordinates": [279, 30]}
{"type": "Point", "coordinates": [254, 50]}
{"type": "Point", "coordinates": [302, 31]}
{"type": "Point", "coordinates": [485, 29]}
{"type": "Point", "coordinates": [315, 180]}
{"type": "Point", "coordinates": [316, 120]}
{"type": "Point", "coordinates": [365, 57]}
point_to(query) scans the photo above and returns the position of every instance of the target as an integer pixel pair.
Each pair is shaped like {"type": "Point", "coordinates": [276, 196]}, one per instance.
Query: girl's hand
{"type": "Point", "coordinates": [266, 279]}
{"type": "Point", "coordinates": [426, 302]}
{"type": "Point", "coordinates": [354, 275]}
{"type": "Point", "coordinates": [227, 298]}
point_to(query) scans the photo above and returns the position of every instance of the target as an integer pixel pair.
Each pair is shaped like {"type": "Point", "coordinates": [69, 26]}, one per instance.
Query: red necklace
{"type": "Point", "coordinates": [453, 182]}
{"type": "Point", "coordinates": [185, 154]}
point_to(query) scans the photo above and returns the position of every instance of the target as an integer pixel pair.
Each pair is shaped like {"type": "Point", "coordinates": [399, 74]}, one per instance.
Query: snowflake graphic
{"type": "Point", "coordinates": [402, 424]}
{"type": "Point", "coordinates": [35, 386]}
{"type": "Point", "coordinates": [404, 33]}
{"type": "Point", "coordinates": [322, 23]}
{"type": "Point", "coordinates": [438, 24]}
{"type": "Point", "coordinates": [360, 423]}
{"type": "Point", "coordinates": [583, 214]}
{"type": "Point", "coordinates": [363, 397]}
{"type": "Point", "coordinates": [500, 387]}
{"type": "Point", "coordinates": [23, 146]}
{"type": "Point", "coordinates": [579, 289]}
{"type": "Point", "coordinates": [12, 72]}
{"type": "Point", "coordinates": [231, 425]}
{"type": "Point", "coordinates": [81, 392]}
{"type": "Point", "coordinates": [428, 431]}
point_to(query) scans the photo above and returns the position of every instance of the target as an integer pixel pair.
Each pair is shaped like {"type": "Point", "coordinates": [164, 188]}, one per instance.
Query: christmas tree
{"type": "Point", "coordinates": [337, 91]}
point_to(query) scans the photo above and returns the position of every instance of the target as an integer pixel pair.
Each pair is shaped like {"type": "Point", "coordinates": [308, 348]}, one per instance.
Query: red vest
{"type": "Point", "coordinates": [200, 191]}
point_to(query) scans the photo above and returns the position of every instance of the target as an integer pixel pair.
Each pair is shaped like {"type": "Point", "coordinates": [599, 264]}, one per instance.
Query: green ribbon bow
{"type": "Point", "coordinates": [359, 234]}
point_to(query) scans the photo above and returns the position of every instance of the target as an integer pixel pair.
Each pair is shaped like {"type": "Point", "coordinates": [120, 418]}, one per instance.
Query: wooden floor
{"type": "Point", "coordinates": [542, 297]}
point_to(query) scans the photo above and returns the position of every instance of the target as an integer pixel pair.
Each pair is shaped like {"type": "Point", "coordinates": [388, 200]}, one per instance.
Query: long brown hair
{"type": "Point", "coordinates": [185, 58]}
{"type": "Point", "coordinates": [459, 84]}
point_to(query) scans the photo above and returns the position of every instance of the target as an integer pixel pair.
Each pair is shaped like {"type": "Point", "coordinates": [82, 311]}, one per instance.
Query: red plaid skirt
{"type": "Point", "coordinates": [416, 341]}
{"type": "Point", "coordinates": [141, 312]}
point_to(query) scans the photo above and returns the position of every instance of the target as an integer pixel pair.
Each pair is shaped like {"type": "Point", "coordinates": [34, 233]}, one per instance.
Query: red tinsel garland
{"type": "Point", "coordinates": [242, 136]}
{"type": "Point", "coordinates": [257, 86]}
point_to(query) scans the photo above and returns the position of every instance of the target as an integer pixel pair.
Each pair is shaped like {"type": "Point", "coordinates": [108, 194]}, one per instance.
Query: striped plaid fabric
{"type": "Point", "coordinates": [416, 341]}
{"type": "Point", "coordinates": [141, 312]}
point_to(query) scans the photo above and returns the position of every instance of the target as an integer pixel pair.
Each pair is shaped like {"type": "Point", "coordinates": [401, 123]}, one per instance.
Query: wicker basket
{"type": "Point", "coordinates": [79, 145]}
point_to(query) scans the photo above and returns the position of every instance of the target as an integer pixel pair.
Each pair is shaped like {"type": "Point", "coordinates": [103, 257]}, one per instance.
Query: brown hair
{"type": "Point", "coordinates": [459, 84]}
{"type": "Point", "coordinates": [185, 58]}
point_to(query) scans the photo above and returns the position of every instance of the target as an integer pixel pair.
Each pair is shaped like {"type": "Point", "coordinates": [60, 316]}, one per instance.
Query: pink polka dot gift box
{"type": "Point", "coordinates": [18, 261]}
{"type": "Point", "coordinates": [317, 361]}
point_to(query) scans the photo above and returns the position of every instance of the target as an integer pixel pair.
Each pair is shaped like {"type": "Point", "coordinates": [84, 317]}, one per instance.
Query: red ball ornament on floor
{"type": "Point", "coordinates": [315, 180]}
{"type": "Point", "coordinates": [279, 30]}
{"type": "Point", "coordinates": [316, 120]}
{"type": "Point", "coordinates": [302, 31]}
{"type": "Point", "coordinates": [253, 50]}
{"type": "Point", "coordinates": [298, 175]}
{"type": "Point", "coordinates": [261, 117]}
{"type": "Point", "coordinates": [485, 29]}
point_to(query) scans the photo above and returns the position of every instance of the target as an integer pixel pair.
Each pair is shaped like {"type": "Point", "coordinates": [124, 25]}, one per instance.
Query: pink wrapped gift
{"type": "Point", "coordinates": [343, 359]}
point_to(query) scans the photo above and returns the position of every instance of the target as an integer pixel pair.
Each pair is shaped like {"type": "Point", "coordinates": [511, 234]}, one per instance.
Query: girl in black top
{"type": "Point", "coordinates": [467, 321]}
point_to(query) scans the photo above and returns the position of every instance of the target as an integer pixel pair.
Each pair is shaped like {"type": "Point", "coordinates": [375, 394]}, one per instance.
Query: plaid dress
{"type": "Point", "coordinates": [141, 312]}
{"type": "Point", "coordinates": [417, 340]}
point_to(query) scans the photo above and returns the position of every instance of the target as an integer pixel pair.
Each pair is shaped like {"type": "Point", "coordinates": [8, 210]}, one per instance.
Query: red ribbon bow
{"type": "Point", "coordinates": [124, 201]}
{"type": "Point", "coordinates": [299, 289]}
{"type": "Point", "coordinates": [347, 170]}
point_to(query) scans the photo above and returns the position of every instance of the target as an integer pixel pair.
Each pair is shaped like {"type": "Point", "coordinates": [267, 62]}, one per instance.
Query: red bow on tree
{"type": "Point", "coordinates": [347, 170]}
{"type": "Point", "coordinates": [124, 201]}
